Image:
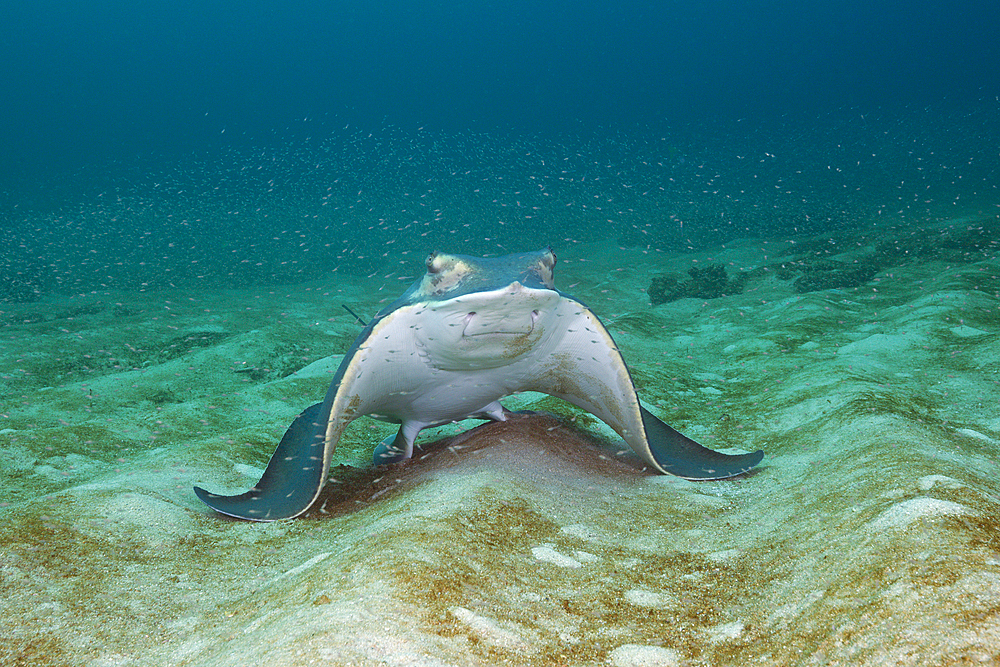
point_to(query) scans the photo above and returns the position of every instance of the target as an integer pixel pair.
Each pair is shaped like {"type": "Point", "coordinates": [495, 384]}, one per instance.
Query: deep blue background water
{"type": "Point", "coordinates": [131, 130]}
{"type": "Point", "coordinates": [83, 80]}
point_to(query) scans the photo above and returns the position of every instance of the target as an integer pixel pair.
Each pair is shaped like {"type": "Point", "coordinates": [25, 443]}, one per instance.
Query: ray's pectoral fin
{"type": "Point", "coordinates": [293, 478]}
{"type": "Point", "coordinates": [679, 455]}
{"type": "Point", "coordinates": [586, 369]}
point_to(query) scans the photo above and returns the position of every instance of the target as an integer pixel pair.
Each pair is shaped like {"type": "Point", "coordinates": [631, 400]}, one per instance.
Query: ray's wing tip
{"type": "Point", "coordinates": [204, 495]}
{"type": "Point", "coordinates": [747, 462]}
{"type": "Point", "coordinates": [735, 466]}
{"type": "Point", "coordinates": [229, 508]}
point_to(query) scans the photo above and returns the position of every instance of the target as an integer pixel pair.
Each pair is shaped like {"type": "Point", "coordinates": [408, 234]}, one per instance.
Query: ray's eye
{"type": "Point", "coordinates": [433, 265]}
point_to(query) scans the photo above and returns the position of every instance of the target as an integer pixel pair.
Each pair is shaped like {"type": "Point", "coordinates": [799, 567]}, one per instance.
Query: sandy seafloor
{"type": "Point", "coordinates": [868, 536]}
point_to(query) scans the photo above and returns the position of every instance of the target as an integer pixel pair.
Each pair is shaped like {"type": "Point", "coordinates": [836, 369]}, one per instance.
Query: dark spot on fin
{"type": "Point", "coordinates": [680, 455]}
{"type": "Point", "coordinates": [292, 479]}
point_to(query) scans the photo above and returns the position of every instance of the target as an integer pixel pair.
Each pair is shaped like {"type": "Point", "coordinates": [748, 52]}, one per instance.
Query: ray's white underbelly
{"type": "Point", "coordinates": [445, 395]}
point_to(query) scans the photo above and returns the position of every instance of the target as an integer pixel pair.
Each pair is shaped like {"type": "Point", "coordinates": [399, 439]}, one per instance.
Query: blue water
{"type": "Point", "coordinates": [136, 136]}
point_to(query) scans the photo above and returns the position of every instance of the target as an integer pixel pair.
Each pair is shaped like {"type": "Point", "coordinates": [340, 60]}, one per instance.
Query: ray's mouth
{"type": "Point", "coordinates": [506, 324]}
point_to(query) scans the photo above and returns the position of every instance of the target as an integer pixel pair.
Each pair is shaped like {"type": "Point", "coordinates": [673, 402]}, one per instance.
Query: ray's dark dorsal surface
{"type": "Point", "coordinates": [468, 333]}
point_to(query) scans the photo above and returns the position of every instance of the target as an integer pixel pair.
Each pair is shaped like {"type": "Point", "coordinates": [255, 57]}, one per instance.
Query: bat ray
{"type": "Point", "coordinates": [469, 332]}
